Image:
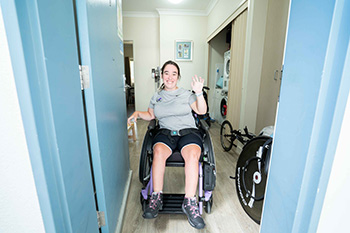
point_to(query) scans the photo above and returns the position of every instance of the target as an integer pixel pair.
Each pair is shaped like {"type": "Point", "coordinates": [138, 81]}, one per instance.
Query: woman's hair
{"type": "Point", "coordinates": [170, 62]}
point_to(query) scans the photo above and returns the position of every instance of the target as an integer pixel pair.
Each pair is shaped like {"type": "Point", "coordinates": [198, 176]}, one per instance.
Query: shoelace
{"type": "Point", "coordinates": [193, 208]}
{"type": "Point", "coordinates": [153, 202]}
{"type": "Point", "coordinates": [195, 212]}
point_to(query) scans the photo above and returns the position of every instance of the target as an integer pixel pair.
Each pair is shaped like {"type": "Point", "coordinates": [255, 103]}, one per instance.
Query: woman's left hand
{"type": "Point", "coordinates": [197, 84]}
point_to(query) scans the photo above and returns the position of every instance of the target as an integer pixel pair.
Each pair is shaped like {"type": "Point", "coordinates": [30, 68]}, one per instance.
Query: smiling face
{"type": "Point", "coordinates": [170, 77]}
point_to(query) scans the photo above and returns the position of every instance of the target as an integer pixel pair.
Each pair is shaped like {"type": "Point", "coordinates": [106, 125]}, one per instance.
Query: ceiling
{"type": "Point", "coordinates": [151, 6]}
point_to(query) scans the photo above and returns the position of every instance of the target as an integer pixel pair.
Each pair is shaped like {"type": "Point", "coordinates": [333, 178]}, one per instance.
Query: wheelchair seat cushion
{"type": "Point", "coordinates": [178, 142]}
{"type": "Point", "coordinates": [175, 157]}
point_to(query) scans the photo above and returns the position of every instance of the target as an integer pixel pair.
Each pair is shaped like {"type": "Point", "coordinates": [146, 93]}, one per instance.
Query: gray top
{"type": "Point", "coordinates": [173, 110]}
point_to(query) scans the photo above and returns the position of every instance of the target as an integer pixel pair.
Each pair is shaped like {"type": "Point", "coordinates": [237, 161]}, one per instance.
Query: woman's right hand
{"type": "Point", "coordinates": [133, 118]}
{"type": "Point", "coordinates": [147, 116]}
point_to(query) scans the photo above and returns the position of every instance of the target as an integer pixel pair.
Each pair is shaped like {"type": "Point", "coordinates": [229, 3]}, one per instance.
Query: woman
{"type": "Point", "coordinates": [173, 106]}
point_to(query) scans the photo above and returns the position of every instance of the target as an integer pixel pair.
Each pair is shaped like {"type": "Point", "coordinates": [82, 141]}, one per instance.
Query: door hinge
{"type": "Point", "coordinates": [101, 219]}
{"type": "Point", "coordinates": [84, 77]}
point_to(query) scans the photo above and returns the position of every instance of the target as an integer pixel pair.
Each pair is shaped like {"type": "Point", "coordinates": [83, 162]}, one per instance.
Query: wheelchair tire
{"type": "Point", "coordinates": [208, 121]}
{"type": "Point", "coordinates": [145, 160]}
{"type": "Point", "coordinates": [251, 176]}
{"type": "Point", "coordinates": [226, 136]}
{"type": "Point", "coordinates": [208, 205]}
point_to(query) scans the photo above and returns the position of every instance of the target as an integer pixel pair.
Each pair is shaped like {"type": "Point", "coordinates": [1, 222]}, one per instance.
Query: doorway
{"type": "Point", "coordinates": [129, 77]}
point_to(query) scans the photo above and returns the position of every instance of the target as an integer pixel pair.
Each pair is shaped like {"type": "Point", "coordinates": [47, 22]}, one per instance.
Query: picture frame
{"type": "Point", "coordinates": [183, 50]}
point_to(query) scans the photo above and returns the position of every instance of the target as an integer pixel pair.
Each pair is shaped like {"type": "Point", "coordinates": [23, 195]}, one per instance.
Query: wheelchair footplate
{"type": "Point", "coordinates": [172, 203]}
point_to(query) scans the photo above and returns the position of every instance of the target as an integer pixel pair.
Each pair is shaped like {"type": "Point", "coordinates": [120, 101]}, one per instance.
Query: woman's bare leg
{"type": "Point", "coordinates": [191, 154]}
{"type": "Point", "coordinates": [161, 153]}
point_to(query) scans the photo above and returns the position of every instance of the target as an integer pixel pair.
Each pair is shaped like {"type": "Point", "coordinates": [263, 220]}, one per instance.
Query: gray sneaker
{"type": "Point", "coordinates": [190, 208]}
{"type": "Point", "coordinates": [154, 205]}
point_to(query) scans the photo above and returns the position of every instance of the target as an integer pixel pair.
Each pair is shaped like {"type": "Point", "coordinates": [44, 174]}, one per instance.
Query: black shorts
{"type": "Point", "coordinates": [178, 142]}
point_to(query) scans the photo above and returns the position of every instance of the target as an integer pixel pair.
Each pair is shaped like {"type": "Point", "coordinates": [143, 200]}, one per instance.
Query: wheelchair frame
{"type": "Point", "coordinates": [207, 172]}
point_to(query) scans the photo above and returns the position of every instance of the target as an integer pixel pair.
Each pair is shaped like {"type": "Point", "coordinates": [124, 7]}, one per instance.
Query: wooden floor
{"type": "Point", "coordinates": [227, 214]}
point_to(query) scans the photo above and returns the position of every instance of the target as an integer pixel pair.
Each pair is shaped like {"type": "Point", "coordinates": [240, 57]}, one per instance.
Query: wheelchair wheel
{"type": "Point", "coordinates": [208, 205]}
{"type": "Point", "coordinates": [145, 161]}
{"type": "Point", "coordinates": [226, 136]}
{"type": "Point", "coordinates": [251, 176]}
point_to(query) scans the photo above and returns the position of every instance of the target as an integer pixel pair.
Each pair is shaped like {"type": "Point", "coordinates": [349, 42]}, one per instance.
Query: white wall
{"type": "Point", "coordinates": [144, 32]}
{"type": "Point", "coordinates": [19, 205]}
{"type": "Point", "coordinates": [187, 28]}
{"type": "Point", "coordinates": [222, 11]}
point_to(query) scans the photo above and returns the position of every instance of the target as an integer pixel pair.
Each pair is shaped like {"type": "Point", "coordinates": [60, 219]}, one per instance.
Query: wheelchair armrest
{"type": "Point", "coordinates": [152, 124]}
{"type": "Point", "coordinates": [203, 125]}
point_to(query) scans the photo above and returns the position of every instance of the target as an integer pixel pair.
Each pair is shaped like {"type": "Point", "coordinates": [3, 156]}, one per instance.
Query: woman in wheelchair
{"type": "Point", "coordinates": [173, 106]}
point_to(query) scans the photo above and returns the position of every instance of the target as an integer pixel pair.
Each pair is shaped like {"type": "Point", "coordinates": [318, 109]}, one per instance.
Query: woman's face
{"type": "Point", "coordinates": [170, 77]}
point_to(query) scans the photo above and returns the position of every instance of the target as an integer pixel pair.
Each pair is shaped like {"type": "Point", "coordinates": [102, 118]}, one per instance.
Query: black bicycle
{"type": "Point", "coordinates": [251, 169]}
{"type": "Point", "coordinates": [228, 135]}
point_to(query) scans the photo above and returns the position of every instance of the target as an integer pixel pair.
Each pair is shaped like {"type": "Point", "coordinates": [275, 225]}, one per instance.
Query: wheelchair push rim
{"type": "Point", "coordinates": [145, 161]}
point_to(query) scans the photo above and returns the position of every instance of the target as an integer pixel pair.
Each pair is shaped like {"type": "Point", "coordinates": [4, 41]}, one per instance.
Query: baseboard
{"type": "Point", "coordinates": [123, 207]}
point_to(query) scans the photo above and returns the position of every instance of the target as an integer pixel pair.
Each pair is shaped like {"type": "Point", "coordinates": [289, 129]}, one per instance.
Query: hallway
{"type": "Point", "coordinates": [227, 214]}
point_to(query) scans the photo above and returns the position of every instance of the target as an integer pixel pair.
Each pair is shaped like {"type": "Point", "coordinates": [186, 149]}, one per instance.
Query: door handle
{"type": "Point", "coordinates": [275, 75]}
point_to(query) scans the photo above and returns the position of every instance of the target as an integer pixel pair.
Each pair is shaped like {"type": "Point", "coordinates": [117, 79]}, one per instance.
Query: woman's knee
{"type": "Point", "coordinates": [161, 151]}
{"type": "Point", "coordinates": [191, 153]}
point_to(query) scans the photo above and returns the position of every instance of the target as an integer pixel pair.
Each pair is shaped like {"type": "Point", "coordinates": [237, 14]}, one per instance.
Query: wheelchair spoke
{"type": "Point", "coordinates": [146, 177]}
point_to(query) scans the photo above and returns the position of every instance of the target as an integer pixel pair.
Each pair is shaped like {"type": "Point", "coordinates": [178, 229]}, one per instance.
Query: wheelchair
{"type": "Point", "coordinates": [207, 172]}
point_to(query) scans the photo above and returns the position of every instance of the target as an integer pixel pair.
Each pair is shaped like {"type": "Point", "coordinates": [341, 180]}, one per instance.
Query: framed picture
{"type": "Point", "coordinates": [183, 50]}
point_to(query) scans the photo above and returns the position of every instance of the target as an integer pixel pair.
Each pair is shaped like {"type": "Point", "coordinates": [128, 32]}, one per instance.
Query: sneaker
{"type": "Point", "coordinates": [155, 204]}
{"type": "Point", "coordinates": [190, 208]}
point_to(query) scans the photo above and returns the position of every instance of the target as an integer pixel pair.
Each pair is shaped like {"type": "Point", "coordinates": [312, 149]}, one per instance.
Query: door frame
{"type": "Point", "coordinates": [313, 98]}
{"type": "Point", "coordinates": [38, 81]}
